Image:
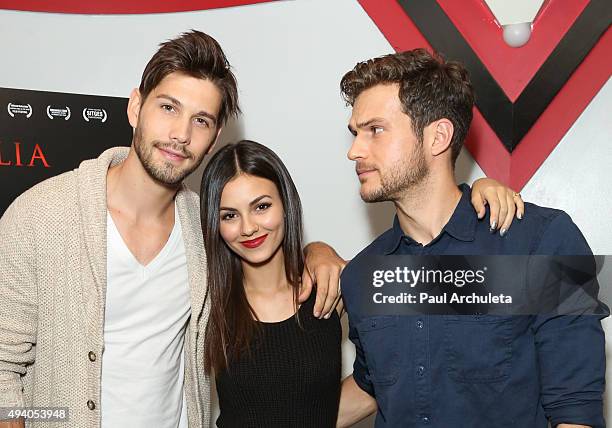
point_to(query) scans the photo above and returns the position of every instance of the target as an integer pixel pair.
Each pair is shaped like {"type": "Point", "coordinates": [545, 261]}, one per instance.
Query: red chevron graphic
{"type": "Point", "coordinates": [512, 69]}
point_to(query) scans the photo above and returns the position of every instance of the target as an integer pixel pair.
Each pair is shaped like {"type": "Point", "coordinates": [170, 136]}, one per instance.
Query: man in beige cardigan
{"type": "Point", "coordinates": [58, 254]}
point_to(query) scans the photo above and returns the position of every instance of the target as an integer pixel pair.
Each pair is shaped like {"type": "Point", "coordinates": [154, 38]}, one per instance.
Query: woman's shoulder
{"type": "Point", "coordinates": [310, 322]}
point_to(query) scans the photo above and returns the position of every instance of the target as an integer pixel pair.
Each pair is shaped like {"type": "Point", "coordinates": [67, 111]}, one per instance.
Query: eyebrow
{"type": "Point", "coordinates": [179, 104]}
{"type": "Point", "coordinates": [365, 124]}
{"type": "Point", "coordinates": [253, 202]}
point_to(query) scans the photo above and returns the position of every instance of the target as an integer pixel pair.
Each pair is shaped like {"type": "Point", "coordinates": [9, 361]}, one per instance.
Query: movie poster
{"type": "Point", "coordinates": [43, 134]}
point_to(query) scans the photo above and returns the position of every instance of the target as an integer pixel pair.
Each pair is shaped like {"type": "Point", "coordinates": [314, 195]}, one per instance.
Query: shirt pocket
{"type": "Point", "coordinates": [478, 348]}
{"type": "Point", "coordinates": [379, 338]}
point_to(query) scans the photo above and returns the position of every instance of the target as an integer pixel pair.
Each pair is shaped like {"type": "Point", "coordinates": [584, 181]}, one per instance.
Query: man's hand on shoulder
{"type": "Point", "coordinates": [322, 267]}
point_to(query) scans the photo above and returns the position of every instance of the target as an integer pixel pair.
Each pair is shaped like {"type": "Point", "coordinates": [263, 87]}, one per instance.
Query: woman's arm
{"type": "Point", "coordinates": [355, 403]}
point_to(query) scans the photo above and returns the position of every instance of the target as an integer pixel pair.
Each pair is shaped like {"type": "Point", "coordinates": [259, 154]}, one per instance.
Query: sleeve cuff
{"type": "Point", "coordinates": [363, 384]}
{"type": "Point", "coordinates": [590, 414]}
{"type": "Point", "coordinates": [11, 395]}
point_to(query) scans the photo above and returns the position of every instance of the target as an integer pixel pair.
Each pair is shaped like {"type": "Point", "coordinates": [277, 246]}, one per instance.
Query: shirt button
{"type": "Point", "coordinates": [420, 370]}
{"type": "Point", "coordinates": [91, 405]}
{"type": "Point", "coordinates": [92, 356]}
{"type": "Point", "coordinates": [419, 324]}
{"type": "Point", "coordinates": [425, 419]}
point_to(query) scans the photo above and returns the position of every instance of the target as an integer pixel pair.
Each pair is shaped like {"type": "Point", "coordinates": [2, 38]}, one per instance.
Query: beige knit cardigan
{"type": "Point", "coordinates": [52, 296]}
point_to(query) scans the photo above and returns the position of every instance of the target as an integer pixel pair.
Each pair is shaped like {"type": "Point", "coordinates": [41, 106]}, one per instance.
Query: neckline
{"type": "Point", "coordinates": [159, 257]}
{"type": "Point", "coordinates": [308, 303]}
{"type": "Point", "coordinates": [272, 323]}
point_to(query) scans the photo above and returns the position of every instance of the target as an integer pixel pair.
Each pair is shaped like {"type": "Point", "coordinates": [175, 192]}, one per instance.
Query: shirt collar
{"type": "Point", "coordinates": [461, 225]}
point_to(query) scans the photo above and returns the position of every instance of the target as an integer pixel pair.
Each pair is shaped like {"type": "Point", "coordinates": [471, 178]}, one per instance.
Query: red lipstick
{"type": "Point", "coordinates": [254, 243]}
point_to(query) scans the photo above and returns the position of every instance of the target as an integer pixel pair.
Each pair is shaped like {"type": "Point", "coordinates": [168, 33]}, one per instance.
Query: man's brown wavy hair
{"type": "Point", "coordinates": [430, 89]}
{"type": "Point", "coordinates": [197, 55]}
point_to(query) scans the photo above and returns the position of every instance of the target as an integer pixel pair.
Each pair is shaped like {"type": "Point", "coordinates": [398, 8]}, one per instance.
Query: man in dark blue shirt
{"type": "Point", "coordinates": [411, 113]}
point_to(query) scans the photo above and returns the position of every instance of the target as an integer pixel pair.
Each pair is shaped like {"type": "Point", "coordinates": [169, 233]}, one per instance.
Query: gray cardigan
{"type": "Point", "coordinates": [52, 296]}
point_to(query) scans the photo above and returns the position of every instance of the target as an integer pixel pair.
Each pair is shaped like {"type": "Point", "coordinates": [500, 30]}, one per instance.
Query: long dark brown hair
{"type": "Point", "coordinates": [232, 322]}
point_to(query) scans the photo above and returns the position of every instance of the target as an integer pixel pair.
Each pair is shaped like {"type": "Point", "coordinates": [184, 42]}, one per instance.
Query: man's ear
{"type": "Point", "coordinates": [214, 143]}
{"type": "Point", "coordinates": [133, 108]}
{"type": "Point", "coordinates": [441, 133]}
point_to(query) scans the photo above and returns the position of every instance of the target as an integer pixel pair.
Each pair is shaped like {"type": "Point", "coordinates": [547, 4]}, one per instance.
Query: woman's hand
{"type": "Point", "coordinates": [503, 203]}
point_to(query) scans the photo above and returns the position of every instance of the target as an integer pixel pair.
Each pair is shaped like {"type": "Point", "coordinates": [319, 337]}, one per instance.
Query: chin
{"type": "Point", "coordinates": [368, 193]}
{"type": "Point", "coordinates": [261, 255]}
{"type": "Point", "coordinates": [373, 196]}
{"type": "Point", "coordinates": [257, 260]}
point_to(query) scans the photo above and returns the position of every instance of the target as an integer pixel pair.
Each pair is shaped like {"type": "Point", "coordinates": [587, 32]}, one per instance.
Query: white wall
{"type": "Point", "coordinates": [289, 57]}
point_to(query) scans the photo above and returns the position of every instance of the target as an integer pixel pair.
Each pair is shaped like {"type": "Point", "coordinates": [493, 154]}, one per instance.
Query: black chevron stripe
{"type": "Point", "coordinates": [511, 121]}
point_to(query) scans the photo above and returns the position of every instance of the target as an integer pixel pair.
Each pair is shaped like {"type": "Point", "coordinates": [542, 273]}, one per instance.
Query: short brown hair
{"type": "Point", "coordinates": [430, 89]}
{"type": "Point", "coordinates": [198, 55]}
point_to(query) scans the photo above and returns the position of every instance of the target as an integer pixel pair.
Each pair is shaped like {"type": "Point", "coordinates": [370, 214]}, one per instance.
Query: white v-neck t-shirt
{"type": "Point", "coordinates": [147, 309]}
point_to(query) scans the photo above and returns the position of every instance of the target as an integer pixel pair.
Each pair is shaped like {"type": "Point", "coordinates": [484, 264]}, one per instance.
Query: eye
{"type": "Point", "coordinates": [202, 122]}
{"type": "Point", "coordinates": [167, 107]}
{"type": "Point", "coordinates": [228, 216]}
{"type": "Point", "coordinates": [263, 206]}
{"type": "Point", "coordinates": [376, 129]}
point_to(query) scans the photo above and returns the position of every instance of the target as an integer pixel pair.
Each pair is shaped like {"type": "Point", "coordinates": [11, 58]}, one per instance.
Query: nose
{"type": "Point", "coordinates": [357, 150]}
{"type": "Point", "coordinates": [249, 227]}
{"type": "Point", "coordinates": [181, 131]}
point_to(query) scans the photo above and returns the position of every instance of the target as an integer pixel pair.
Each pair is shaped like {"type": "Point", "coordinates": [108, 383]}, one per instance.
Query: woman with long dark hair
{"type": "Point", "coordinates": [275, 364]}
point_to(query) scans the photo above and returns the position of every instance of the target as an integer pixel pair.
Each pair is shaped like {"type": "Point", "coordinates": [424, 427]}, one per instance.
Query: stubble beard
{"type": "Point", "coordinates": [401, 176]}
{"type": "Point", "coordinates": [163, 172]}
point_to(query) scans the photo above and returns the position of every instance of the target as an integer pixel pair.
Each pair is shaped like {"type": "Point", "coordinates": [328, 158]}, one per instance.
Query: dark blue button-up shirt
{"type": "Point", "coordinates": [479, 371]}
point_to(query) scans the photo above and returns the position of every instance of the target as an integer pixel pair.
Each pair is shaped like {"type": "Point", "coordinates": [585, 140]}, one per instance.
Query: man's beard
{"type": "Point", "coordinates": [163, 172]}
{"type": "Point", "coordinates": [401, 176]}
